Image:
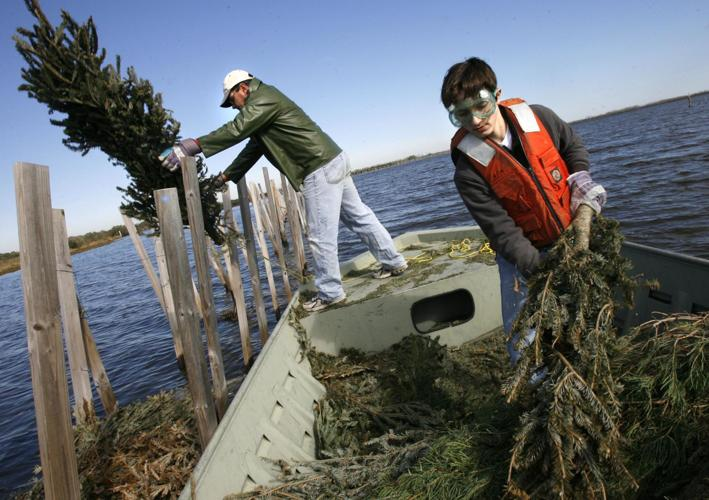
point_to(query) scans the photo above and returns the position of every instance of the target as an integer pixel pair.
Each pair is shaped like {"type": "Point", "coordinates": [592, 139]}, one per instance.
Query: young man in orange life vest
{"type": "Point", "coordinates": [522, 173]}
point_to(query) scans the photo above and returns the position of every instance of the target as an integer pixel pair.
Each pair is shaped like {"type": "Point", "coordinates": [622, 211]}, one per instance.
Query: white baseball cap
{"type": "Point", "coordinates": [231, 80]}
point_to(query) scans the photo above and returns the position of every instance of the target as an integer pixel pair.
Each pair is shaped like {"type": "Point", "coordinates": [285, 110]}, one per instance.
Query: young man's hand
{"type": "Point", "coordinates": [171, 157]}
{"type": "Point", "coordinates": [586, 192]}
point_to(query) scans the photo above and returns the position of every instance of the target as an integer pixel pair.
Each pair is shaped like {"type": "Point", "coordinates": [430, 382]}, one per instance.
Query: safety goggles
{"type": "Point", "coordinates": [481, 107]}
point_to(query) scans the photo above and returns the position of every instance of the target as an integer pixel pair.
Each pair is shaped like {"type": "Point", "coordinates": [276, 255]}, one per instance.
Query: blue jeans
{"type": "Point", "coordinates": [331, 196]}
{"type": "Point", "coordinates": [513, 294]}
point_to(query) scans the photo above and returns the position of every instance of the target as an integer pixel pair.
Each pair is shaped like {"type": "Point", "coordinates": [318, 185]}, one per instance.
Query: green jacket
{"type": "Point", "coordinates": [278, 129]}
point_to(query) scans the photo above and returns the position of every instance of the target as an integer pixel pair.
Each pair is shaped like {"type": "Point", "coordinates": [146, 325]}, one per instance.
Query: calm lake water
{"type": "Point", "coordinates": [653, 161]}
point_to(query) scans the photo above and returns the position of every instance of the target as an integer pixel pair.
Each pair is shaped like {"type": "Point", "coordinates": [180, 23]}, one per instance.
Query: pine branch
{"type": "Point", "coordinates": [570, 306]}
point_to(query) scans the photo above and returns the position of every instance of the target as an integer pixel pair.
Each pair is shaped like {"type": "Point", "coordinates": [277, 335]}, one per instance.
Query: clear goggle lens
{"type": "Point", "coordinates": [482, 107]}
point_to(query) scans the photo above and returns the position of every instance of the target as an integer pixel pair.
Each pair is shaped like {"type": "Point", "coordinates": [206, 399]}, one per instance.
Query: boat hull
{"type": "Point", "coordinates": [454, 297]}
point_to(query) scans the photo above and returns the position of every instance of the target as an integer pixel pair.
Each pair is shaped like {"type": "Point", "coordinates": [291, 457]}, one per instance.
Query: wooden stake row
{"type": "Point", "coordinates": [183, 301]}
{"type": "Point", "coordinates": [44, 251]}
{"type": "Point", "coordinates": [50, 294]}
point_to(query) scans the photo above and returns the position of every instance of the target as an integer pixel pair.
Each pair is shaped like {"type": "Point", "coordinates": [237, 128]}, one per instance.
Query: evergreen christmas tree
{"type": "Point", "coordinates": [120, 115]}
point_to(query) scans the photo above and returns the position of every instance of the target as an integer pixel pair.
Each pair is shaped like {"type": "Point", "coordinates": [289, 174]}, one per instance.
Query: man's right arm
{"type": "Point", "coordinates": [253, 117]}
{"type": "Point", "coordinates": [505, 236]}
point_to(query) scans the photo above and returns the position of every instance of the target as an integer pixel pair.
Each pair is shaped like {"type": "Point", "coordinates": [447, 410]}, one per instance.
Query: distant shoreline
{"type": "Point", "coordinates": [10, 264]}
{"type": "Point", "coordinates": [394, 163]}
{"type": "Point", "coordinates": [411, 158]}
{"type": "Point", "coordinates": [640, 106]}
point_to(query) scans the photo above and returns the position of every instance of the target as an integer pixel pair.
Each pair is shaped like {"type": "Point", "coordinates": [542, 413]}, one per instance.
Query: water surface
{"type": "Point", "coordinates": [653, 161]}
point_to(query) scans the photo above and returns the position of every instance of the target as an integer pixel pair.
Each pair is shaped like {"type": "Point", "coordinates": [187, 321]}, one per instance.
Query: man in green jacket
{"type": "Point", "coordinates": [277, 128]}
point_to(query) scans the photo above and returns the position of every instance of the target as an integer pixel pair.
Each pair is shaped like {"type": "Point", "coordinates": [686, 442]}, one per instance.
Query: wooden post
{"type": "Point", "coordinates": [105, 391]}
{"type": "Point", "coordinates": [293, 195]}
{"type": "Point", "coordinates": [169, 304]}
{"type": "Point", "coordinates": [275, 234]}
{"type": "Point", "coordinates": [301, 211]}
{"type": "Point", "coordinates": [42, 317]}
{"type": "Point", "coordinates": [276, 242]}
{"type": "Point", "coordinates": [256, 202]}
{"type": "Point", "coordinates": [78, 365]}
{"type": "Point", "coordinates": [198, 300]}
{"type": "Point", "coordinates": [235, 278]}
{"type": "Point", "coordinates": [147, 265]}
{"type": "Point", "coordinates": [206, 295]}
{"type": "Point", "coordinates": [178, 268]}
{"type": "Point", "coordinates": [294, 223]}
{"type": "Point", "coordinates": [264, 212]}
{"type": "Point", "coordinates": [216, 262]}
{"type": "Point", "coordinates": [280, 210]}
{"type": "Point", "coordinates": [251, 259]}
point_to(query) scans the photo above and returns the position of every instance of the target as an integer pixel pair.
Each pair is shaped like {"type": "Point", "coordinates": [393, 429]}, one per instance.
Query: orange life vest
{"type": "Point", "coordinates": [537, 198]}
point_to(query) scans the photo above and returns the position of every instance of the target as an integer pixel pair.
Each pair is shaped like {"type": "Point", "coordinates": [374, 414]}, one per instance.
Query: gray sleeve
{"type": "Point", "coordinates": [506, 238]}
{"type": "Point", "coordinates": [566, 141]}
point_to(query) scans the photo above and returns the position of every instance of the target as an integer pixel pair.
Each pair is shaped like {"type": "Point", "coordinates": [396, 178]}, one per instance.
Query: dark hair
{"type": "Point", "coordinates": [466, 79]}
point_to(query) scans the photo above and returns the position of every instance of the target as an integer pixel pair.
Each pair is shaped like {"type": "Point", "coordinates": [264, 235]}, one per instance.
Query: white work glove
{"type": "Point", "coordinates": [585, 191]}
{"type": "Point", "coordinates": [171, 157]}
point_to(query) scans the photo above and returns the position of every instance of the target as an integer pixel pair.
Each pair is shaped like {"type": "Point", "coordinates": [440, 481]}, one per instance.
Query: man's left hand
{"type": "Point", "coordinates": [171, 157]}
{"type": "Point", "coordinates": [217, 182]}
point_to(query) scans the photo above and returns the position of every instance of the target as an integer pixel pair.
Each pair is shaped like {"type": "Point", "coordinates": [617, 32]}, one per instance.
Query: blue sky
{"type": "Point", "coordinates": [369, 72]}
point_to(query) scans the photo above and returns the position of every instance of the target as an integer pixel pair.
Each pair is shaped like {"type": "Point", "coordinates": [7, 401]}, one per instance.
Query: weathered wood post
{"type": "Point", "coordinates": [158, 286]}
{"type": "Point", "coordinates": [178, 268]}
{"type": "Point", "coordinates": [276, 243]}
{"type": "Point", "coordinates": [206, 294]}
{"type": "Point", "coordinates": [235, 279]}
{"type": "Point", "coordinates": [300, 221]}
{"type": "Point", "coordinates": [44, 338]}
{"type": "Point", "coordinates": [78, 364]}
{"type": "Point", "coordinates": [144, 259]}
{"type": "Point", "coordinates": [301, 211]}
{"type": "Point", "coordinates": [98, 372]}
{"type": "Point", "coordinates": [169, 304]}
{"type": "Point", "coordinates": [280, 210]}
{"type": "Point", "coordinates": [275, 233]}
{"type": "Point", "coordinates": [251, 258]}
{"type": "Point", "coordinates": [256, 202]}
{"type": "Point", "coordinates": [294, 223]}
{"type": "Point", "coordinates": [215, 261]}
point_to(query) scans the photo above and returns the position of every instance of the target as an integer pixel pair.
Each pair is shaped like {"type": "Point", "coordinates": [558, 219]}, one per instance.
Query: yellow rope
{"type": "Point", "coordinates": [456, 250]}
{"type": "Point", "coordinates": [463, 249]}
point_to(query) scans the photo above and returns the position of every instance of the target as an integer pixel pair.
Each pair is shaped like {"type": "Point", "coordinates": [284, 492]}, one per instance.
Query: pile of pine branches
{"type": "Point", "coordinates": [665, 371]}
{"type": "Point", "coordinates": [613, 417]}
{"type": "Point", "coordinates": [144, 450]}
{"type": "Point", "coordinates": [101, 108]}
{"type": "Point", "coordinates": [417, 419]}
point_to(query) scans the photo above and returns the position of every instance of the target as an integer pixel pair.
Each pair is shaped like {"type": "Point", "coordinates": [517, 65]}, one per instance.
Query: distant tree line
{"type": "Point", "coordinates": [394, 163]}
{"type": "Point", "coordinates": [9, 255]}
{"type": "Point", "coordinates": [10, 261]}
{"type": "Point", "coordinates": [76, 242]}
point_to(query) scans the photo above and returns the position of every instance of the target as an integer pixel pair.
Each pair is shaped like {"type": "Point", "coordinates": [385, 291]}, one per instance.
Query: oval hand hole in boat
{"type": "Point", "coordinates": [442, 311]}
